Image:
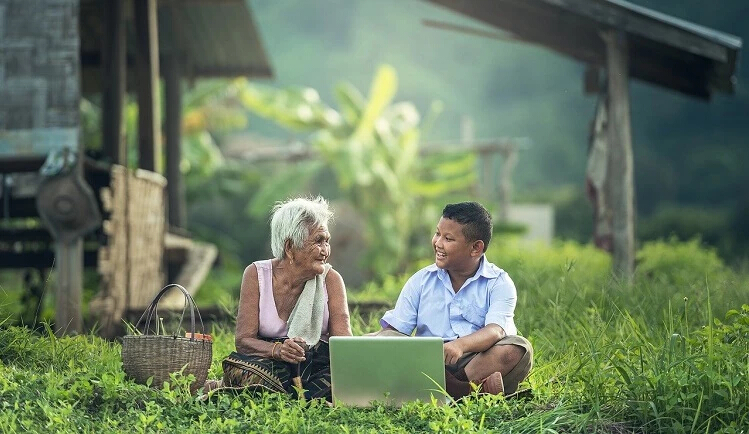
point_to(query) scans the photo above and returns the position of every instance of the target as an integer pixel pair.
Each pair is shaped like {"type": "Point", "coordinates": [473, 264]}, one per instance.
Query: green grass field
{"type": "Point", "coordinates": [665, 352]}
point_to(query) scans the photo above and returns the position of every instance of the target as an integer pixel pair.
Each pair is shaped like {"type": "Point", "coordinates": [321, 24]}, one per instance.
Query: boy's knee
{"type": "Point", "coordinates": [518, 362]}
{"type": "Point", "coordinates": [506, 357]}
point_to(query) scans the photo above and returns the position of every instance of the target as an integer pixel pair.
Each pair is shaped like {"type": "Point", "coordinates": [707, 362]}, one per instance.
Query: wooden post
{"type": "Point", "coordinates": [147, 64]}
{"type": "Point", "coordinates": [173, 130]}
{"type": "Point", "coordinates": [509, 161]}
{"type": "Point", "coordinates": [113, 55]}
{"type": "Point", "coordinates": [620, 172]}
{"type": "Point", "coordinates": [466, 139]}
{"type": "Point", "coordinates": [68, 298]}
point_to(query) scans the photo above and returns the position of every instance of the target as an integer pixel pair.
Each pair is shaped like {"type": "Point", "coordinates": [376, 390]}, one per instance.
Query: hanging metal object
{"type": "Point", "coordinates": [65, 202]}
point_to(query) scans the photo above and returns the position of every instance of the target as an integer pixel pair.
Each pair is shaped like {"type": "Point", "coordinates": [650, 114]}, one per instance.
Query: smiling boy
{"type": "Point", "coordinates": [468, 302]}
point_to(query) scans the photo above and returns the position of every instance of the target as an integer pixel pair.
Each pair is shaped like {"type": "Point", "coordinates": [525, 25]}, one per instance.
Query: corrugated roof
{"type": "Point", "coordinates": [211, 38]}
{"type": "Point", "coordinates": [706, 32]}
{"type": "Point", "coordinates": [216, 38]}
{"type": "Point", "coordinates": [663, 50]}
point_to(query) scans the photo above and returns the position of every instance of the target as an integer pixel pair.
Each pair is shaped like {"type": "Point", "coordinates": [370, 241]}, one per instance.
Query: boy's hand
{"type": "Point", "coordinates": [453, 352]}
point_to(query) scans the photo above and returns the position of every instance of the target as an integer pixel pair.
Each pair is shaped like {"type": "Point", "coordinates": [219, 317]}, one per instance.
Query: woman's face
{"type": "Point", "coordinates": [315, 251]}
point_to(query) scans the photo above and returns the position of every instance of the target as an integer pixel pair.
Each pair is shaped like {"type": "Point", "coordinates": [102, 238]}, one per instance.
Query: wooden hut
{"type": "Point", "coordinates": [622, 40]}
{"type": "Point", "coordinates": [94, 211]}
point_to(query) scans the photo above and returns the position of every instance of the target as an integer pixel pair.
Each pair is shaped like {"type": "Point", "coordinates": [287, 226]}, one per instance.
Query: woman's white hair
{"type": "Point", "coordinates": [294, 219]}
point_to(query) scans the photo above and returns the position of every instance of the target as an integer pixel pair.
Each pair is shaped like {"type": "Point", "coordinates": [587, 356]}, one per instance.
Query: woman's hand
{"type": "Point", "coordinates": [292, 350]}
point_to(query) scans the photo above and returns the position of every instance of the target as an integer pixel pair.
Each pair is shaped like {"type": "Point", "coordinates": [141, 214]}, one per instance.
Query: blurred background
{"type": "Point", "coordinates": [689, 154]}
{"type": "Point", "coordinates": [389, 109]}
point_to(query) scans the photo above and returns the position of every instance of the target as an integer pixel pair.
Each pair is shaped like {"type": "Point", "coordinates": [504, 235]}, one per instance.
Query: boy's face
{"type": "Point", "coordinates": [451, 249]}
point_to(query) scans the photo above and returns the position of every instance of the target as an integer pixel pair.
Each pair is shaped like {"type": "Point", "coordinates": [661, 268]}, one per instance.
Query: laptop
{"type": "Point", "coordinates": [391, 370]}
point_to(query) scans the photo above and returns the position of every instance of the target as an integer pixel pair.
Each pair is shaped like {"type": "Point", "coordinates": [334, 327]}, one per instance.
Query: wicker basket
{"type": "Point", "coordinates": [152, 355]}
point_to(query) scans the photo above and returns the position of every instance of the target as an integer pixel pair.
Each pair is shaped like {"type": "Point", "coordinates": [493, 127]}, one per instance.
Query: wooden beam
{"type": "Point", "coordinates": [21, 163]}
{"type": "Point", "coordinates": [230, 71]}
{"type": "Point", "coordinates": [199, 261]}
{"type": "Point", "coordinates": [632, 22]}
{"type": "Point", "coordinates": [299, 151]}
{"type": "Point", "coordinates": [68, 293]}
{"type": "Point", "coordinates": [147, 61]}
{"type": "Point", "coordinates": [669, 68]}
{"type": "Point", "coordinates": [113, 56]}
{"type": "Point", "coordinates": [530, 22]}
{"type": "Point", "coordinates": [41, 259]}
{"type": "Point", "coordinates": [620, 171]}
{"type": "Point", "coordinates": [173, 128]}
{"type": "Point", "coordinates": [11, 235]}
{"type": "Point", "coordinates": [570, 27]}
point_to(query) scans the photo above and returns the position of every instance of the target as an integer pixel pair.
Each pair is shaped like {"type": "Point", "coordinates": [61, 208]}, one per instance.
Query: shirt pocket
{"type": "Point", "coordinates": [474, 314]}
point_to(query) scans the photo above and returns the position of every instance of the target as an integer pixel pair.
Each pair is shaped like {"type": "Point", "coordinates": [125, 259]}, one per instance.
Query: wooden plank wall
{"type": "Point", "coordinates": [131, 264]}
{"type": "Point", "coordinates": [39, 76]}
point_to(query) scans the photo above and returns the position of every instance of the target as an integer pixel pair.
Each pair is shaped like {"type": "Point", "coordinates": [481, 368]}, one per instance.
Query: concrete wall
{"type": "Point", "coordinates": [538, 218]}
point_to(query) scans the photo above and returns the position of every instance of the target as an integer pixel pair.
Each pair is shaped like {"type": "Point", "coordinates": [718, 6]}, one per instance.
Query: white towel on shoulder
{"type": "Point", "coordinates": [306, 319]}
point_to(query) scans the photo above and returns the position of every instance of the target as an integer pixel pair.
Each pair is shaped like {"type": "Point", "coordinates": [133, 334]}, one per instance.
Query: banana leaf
{"type": "Point", "coordinates": [284, 184]}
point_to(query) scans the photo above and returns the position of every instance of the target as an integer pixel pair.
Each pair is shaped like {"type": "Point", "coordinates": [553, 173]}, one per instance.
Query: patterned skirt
{"type": "Point", "coordinates": [257, 372]}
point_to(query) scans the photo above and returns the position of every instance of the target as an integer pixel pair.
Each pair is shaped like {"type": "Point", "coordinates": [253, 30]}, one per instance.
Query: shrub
{"type": "Point", "coordinates": [679, 263]}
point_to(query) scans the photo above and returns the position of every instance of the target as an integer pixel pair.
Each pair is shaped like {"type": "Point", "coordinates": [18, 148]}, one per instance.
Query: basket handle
{"type": "Point", "coordinates": [151, 313]}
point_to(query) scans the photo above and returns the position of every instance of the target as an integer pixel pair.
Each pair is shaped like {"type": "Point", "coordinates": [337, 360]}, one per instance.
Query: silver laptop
{"type": "Point", "coordinates": [391, 370]}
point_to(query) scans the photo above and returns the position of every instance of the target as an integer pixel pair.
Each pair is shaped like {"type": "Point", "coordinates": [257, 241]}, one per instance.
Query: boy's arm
{"type": "Point", "coordinates": [502, 300]}
{"type": "Point", "coordinates": [402, 317]}
{"type": "Point", "coordinates": [498, 322]}
{"type": "Point", "coordinates": [477, 342]}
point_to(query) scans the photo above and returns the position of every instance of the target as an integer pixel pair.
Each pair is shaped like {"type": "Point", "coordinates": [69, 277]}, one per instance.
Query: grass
{"type": "Point", "coordinates": [667, 351]}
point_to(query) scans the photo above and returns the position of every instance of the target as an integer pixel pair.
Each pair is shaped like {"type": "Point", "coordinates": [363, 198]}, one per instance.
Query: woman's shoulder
{"type": "Point", "coordinates": [333, 277]}
{"type": "Point", "coordinates": [259, 265]}
{"type": "Point", "coordinates": [265, 263]}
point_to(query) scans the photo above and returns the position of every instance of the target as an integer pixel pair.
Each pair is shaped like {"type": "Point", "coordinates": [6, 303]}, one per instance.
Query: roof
{"type": "Point", "coordinates": [211, 38]}
{"type": "Point", "coordinates": [218, 38]}
{"type": "Point", "coordinates": [663, 50]}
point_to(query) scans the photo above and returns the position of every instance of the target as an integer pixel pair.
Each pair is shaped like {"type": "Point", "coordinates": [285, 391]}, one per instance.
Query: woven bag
{"type": "Point", "coordinates": [151, 355]}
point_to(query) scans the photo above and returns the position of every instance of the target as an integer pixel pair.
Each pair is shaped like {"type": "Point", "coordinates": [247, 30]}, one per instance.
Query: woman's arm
{"type": "Point", "coordinates": [248, 315]}
{"type": "Point", "coordinates": [339, 322]}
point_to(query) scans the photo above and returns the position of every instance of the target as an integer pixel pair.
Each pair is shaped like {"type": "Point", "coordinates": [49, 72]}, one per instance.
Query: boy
{"type": "Point", "coordinates": [468, 302]}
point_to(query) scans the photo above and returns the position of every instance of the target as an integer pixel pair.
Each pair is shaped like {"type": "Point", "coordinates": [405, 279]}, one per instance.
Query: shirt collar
{"type": "Point", "coordinates": [485, 269]}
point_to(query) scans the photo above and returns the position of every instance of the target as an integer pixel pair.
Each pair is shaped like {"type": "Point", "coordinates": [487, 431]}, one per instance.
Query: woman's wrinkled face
{"type": "Point", "coordinates": [315, 251]}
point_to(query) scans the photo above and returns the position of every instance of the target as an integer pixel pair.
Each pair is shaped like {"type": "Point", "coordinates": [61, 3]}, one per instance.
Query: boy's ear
{"type": "Point", "coordinates": [477, 249]}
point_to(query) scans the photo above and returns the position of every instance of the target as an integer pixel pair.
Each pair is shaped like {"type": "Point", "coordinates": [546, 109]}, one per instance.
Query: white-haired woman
{"type": "Point", "coordinates": [289, 306]}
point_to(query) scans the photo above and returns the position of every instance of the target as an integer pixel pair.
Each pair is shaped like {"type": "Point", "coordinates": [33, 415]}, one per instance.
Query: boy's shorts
{"type": "Point", "coordinates": [517, 374]}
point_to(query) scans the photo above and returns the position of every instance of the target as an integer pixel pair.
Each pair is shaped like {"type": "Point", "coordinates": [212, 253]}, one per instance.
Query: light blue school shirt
{"type": "Point", "coordinates": [428, 303]}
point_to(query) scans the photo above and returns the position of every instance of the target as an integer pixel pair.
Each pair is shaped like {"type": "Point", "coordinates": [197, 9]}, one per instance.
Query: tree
{"type": "Point", "coordinates": [372, 146]}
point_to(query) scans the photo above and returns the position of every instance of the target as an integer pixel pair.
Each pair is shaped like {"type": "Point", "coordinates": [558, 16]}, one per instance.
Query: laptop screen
{"type": "Point", "coordinates": [392, 370]}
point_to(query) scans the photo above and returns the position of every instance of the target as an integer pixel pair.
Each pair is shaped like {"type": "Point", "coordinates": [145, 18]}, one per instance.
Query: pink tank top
{"type": "Point", "coordinates": [270, 325]}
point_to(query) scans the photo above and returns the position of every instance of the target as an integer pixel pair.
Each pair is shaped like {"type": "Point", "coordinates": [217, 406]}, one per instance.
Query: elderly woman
{"type": "Point", "coordinates": [289, 306]}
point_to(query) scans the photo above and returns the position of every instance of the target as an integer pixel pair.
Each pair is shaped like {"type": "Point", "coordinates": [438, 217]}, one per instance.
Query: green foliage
{"type": "Point", "coordinates": [372, 146]}
{"type": "Point", "coordinates": [688, 152]}
{"type": "Point", "coordinates": [385, 291]}
{"type": "Point", "coordinates": [609, 357]}
{"type": "Point", "coordinates": [711, 225]}
{"type": "Point", "coordinates": [679, 263]}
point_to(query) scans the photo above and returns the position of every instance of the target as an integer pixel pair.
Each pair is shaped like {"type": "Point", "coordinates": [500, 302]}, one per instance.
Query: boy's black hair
{"type": "Point", "coordinates": [476, 220]}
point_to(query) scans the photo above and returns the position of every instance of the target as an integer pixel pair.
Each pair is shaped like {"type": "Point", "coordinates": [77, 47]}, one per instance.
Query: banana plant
{"type": "Point", "coordinates": [372, 146]}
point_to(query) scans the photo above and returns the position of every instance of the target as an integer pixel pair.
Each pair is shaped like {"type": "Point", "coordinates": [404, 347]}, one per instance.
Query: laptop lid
{"type": "Point", "coordinates": [389, 369]}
